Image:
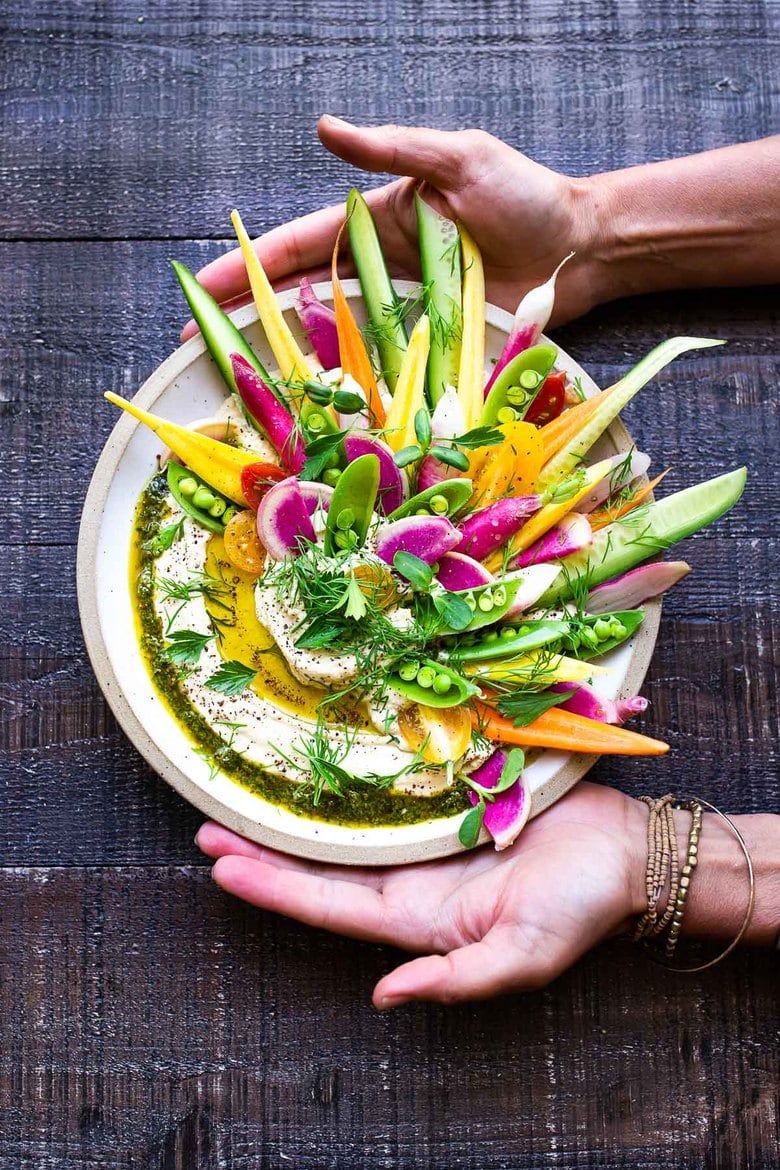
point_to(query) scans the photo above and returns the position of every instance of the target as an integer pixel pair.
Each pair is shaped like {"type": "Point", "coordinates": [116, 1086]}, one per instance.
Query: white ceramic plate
{"type": "Point", "coordinates": [188, 386]}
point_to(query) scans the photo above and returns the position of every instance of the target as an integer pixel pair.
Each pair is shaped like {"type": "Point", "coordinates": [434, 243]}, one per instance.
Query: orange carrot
{"type": "Point", "coordinates": [566, 732]}
{"type": "Point", "coordinates": [355, 360]}
{"type": "Point", "coordinates": [556, 434]}
{"type": "Point", "coordinates": [605, 516]}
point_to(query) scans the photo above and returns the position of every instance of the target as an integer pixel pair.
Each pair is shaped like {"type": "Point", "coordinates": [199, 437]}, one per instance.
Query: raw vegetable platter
{"type": "Point", "coordinates": [372, 585]}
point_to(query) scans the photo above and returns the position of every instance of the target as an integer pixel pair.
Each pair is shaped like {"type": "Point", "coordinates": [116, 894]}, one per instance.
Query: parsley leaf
{"type": "Point", "coordinates": [186, 646]}
{"type": "Point", "coordinates": [320, 633]}
{"type": "Point", "coordinates": [231, 678]}
{"type": "Point", "coordinates": [353, 601]}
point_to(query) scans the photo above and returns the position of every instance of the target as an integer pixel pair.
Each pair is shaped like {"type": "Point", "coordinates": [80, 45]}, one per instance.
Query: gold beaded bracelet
{"type": "Point", "coordinates": [662, 864]}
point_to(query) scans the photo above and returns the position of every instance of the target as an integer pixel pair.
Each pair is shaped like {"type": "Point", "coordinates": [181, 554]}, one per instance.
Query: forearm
{"type": "Point", "coordinates": [720, 885]}
{"type": "Point", "coordinates": [707, 220]}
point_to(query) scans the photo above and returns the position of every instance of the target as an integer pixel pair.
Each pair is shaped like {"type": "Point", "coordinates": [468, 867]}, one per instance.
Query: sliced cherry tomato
{"type": "Point", "coordinates": [548, 403]}
{"type": "Point", "coordinates": [242, 544]}
{"type": "Point", "coordinates": [445, 732]}
{"type": "Point", "coordinates": [257, 478]}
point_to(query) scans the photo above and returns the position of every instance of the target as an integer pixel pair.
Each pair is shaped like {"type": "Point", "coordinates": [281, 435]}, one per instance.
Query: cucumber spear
{"type": "Point", "coordinates": [441, 274]}
{"type": "Point", "coordinates": [380, 297]}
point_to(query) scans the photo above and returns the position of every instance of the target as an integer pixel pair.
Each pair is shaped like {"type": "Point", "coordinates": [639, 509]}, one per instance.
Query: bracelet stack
{"type": "Point", "coordinates": [663, 869]}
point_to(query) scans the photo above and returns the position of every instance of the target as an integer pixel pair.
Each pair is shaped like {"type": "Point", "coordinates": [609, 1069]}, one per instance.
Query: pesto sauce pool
{"type": "Point", "coordinates": [360, 805]}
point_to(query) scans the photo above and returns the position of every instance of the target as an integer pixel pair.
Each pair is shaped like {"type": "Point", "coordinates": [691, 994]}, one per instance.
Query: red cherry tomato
{"type": "Point", "coordinates": [548, 403]}
{"type": "Point", "coordinates": [256, 479]}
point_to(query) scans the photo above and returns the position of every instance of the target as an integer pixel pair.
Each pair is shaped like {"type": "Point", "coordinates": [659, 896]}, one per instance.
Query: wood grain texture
{"type": "Point", "coordinates": [146, 1021]}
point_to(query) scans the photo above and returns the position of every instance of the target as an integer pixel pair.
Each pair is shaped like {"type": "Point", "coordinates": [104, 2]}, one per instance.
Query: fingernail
{"type": "Point", "coordinates": [334, 121]}
{"type": "Point", "coordinates": [390, 1001]}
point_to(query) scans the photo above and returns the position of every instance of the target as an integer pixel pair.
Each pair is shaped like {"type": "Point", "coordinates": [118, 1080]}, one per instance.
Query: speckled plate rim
{"type": "Point", "coordinates": [224, 800]}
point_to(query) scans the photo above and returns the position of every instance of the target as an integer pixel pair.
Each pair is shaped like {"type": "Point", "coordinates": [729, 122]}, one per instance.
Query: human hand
{"type": "Point", "coordinates": [524, 217]}
{"type": "Point", "coordinates": [484, 922]}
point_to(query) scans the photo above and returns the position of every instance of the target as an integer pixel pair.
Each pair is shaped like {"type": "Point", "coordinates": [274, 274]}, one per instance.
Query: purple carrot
{"type": "Point", "coordinates": [426, 537]}
{"type": "Point", "coordinates": [585, 701]}
{"type": "Point", "coordinates": [320, 324]}
{"type": "Point", "coordinates": [457, 571]}
{"type": "Point", "coordinates": [271, 417]}
{"type": "Point", "coordinates": [491, 527]}
{"type": "Point", "coordinates": [572, 534]}
{"type": "Point", "coordinates": [636, 586]}
{"type": "Point", "coordinates": [531, 316]}
{"type": "Point", "coordinates": [625, 467]}
{"type": "Point", "coordinates": [392, 485]}
{"type": "Point", "coordinates": [506, 815]}
{"type": "Point", "coordinates": [283, 519]}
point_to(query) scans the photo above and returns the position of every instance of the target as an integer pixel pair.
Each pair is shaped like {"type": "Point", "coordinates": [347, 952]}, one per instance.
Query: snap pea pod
{"type": "Point", "coordinates": [516, 387]}
{"type": "Point", "coordinates": [316, 420]}
{"type": "Point", "coordinates": [488, 603]}
{"type": "Point", "coordinates": [455, 493]}
{"type": "Point", "coordinates": [218, 331]}
{"type": "Point", "coordinates": [352, 506]}
{"type": "Point", "coordinates": [591, 638]}
{"type": "Point", "coordinates": [431, 683]}
{"type": "Point", "coordinates": [584, 637]}
{"type": "Point", "coordinates": [509, 640]}
{"type": "Point", "coordinates": [198, 499]}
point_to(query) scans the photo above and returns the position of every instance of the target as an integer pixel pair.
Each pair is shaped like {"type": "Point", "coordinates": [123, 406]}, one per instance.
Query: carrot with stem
{"type": "Point", "coordinates": [564, 731]}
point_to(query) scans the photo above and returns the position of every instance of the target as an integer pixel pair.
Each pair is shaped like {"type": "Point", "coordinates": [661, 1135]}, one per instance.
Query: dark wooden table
{"type": "Point", "coordinates": [148, 1021]}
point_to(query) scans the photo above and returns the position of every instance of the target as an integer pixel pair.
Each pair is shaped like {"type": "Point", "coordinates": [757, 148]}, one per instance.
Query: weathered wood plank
{"type": "Point", "coordinates": [152, 1022]}
{"type": "Point", "coordinates": [115, 126]}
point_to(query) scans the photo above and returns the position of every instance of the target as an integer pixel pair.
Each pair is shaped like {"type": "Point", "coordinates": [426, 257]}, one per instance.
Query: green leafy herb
{"type": "Point", "coordinates": [186, 646]}
{"type": "Point", "coordinates": [471, 825]}
{"type": "Point", "coordinates": [354, 600]}
{"type": "Point", "coordinates": [231, 678]}
{"type": "Point", "coordinates": [480, 437]}
{"type": "Point", "coordinates": [453, 609]}
{"type": "Point", "coordinates": [323, 631]}
{"type": "Point", "coordinates": [319, 452]}
{"type": "Point", "coordinates": [165, 538]}
{"type": "Point", "coordinates": [524, 707]}
{"type": "Point", "coordinates": [223, 753]}
{"type": "Point", "coordinates": [578, 388]}
{"type": "Point", "coordinates": [416, 571]}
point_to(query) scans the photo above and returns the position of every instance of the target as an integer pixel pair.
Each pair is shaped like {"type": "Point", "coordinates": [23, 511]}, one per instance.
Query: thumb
{"type": "Point", "coordinates": [444, 157]}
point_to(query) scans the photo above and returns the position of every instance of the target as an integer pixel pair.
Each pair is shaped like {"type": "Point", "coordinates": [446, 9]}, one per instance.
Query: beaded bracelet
{"type": "Point", "coordinates": [662, 864]}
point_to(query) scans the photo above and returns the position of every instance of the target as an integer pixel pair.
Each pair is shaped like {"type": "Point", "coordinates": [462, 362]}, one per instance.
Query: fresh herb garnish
{"type": "Point", "coordinates": [525, 707]}
{"type": "Point", "coordinates": [471, 825]}
{"type": "Point", "coordinates": [480, 437]}
{"type": "Point", "coordinates": [319, 453]}
{"type": "Point", "coordinates": [165, 538]}
{"type": "Point", "coordinates": [185, 647]}
{"type": "Point", "coordinates": [452, 609]}
{"type": "Point", "coordinates": [231, 678]}
{"type": "Point", "coordinates": [416, 571]}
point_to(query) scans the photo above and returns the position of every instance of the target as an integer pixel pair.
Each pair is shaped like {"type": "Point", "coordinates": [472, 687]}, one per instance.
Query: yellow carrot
{"type": "Point", "coordinates": [216, 463]}
{"type": "Point", "coordinates": [605, 516]}
{"type": "Point", "coordinates": [509, 469]}
{"type": "Point", "coordinates": [471, 371]}
{"type": "Point", "coordinates": [355, 359]}
{"type": "Point", "coordinates": [556, 434]}
{"type": "Point", "coordinates": [292, 364]}
{"type": "Point", "coordinates": [566, 732]}
{"type": "Point", "coordinates": [548, 516]}
{"type": "Point", "coordinates": [540, 668]}
{"type": "Point", "coordinates": [409, 389]}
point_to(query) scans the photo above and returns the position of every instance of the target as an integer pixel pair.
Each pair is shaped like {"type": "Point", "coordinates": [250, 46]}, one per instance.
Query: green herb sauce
{"type": "Point", "coordinates": [360, 805]}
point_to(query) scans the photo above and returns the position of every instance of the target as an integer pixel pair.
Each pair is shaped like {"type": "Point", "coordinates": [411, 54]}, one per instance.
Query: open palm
{"type": "Point", "coordinates": [524, 217]}
{"type": "Point", "coordinates": [484, 922]}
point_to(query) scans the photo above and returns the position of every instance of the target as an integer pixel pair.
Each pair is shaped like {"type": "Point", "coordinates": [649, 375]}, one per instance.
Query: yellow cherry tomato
{"type": "Point", "coordinates": [242, 544]}
{"type": "Point", "coordinates": [442, 733]}
{"type": "Point", "coordinates": [376, 583]}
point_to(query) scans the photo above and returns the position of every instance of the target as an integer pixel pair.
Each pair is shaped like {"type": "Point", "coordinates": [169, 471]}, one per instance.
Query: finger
{"type": "Point", "coordinates": [441, 156]}
{"type": "Point", "coordinates": [303, 243]}
{"type": "Point", "coordinates": [346, 269]}
{"type": "Point", "coordinates": [215, 841]}
{"type": "Point", "coordinates": [477, 971]}
{"type": "Point", "coordinates": [345, 907]}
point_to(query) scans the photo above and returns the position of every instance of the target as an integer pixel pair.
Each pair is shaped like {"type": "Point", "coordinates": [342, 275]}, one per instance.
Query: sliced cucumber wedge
{"type": "Point", "coordinates": [441, 273]}
{"type": "Point", "coordinates": [624, 544]}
